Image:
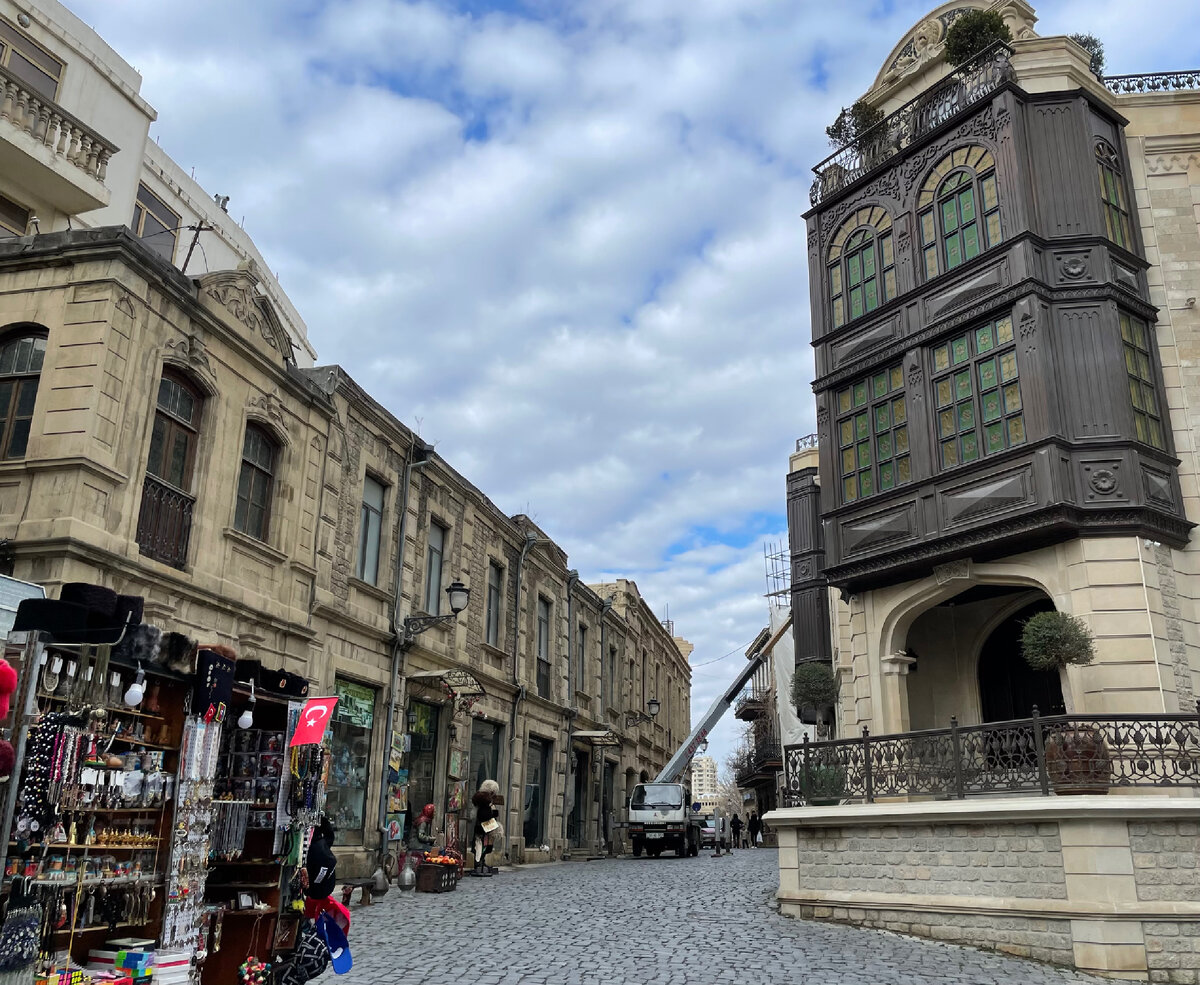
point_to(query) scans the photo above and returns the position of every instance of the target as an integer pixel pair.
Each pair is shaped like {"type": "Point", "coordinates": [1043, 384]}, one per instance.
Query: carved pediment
{"type": "Point", "coordinates": [237, 293]}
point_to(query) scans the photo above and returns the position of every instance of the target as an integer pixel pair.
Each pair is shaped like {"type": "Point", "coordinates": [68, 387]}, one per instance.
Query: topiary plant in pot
{"type": "Point", "coordinates": [1077, 756]}
{"type": "Point", "coordinates": [973, 33]}
{"type": "Point", "coordinates": [814, 688]}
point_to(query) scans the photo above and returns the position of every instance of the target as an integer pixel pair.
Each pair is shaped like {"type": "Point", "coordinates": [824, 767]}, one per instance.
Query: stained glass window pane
{"type": "Point", "coordinates": [880, 384]}
{"type": "Point", "coordinates": [883, 446]}
{"type": "Point", "coordinates": [901, 440]}
{"type": "Point", "coordinates": [897, 377]}
{"type": "Point", "coordinates": [860, 393]}
{"type": "Point", "coordinates": [864, 454]}
{"type": "Point", "coordinates": [970, 236]}
{"type": "Point", "coordinates": [1016, 430]}
{"type": "Point", "coordinates": [865, 484]}
{"type": "Point", "coordinates": [849, 489]}
{"type": "Point", "coordinates": [1008, 366]}
{"type": "Point", "coordinates": [1156, 434]}
{"type": "Point", "coordinates": [885, 245]}
{"type": "Point", "coordinates": [991, 406]}
{"type": "Point", "coordinates": [889, 284]}
{"type": "Point", "coordinates": [887, 476]}
{"type": "Point", "coordinates": [1139, 333]}
{"type": "Point", "coordinates": [950, 453]}
{"type": "Point", "coordinates": [1004, 330]}
{"type": "Point", "coordinates": [1144, 365]}
{"type": "Point", "coordinates": [966, 416]}
{"type": "Point", "coordinates": [931, 261]}
{"type": "Point", "coordinates": [903, 469]}
{"type": "Point", "coordinates": [953, 251]}
{"type": "Point", "coordinates": [949, 216]}
{"type": "Point", "coordinates": [872, 295]}
{"type": "Point", "coordinates": [1135, 394]}
{"type": "Point", "coordinates": [899, 410]}
{"type": "Point", "coordinates": [983, 339]}
{"type": "Point", "coordinates": [987, 374]}
{"type": "Point", "coordinates": [854, 270]}
{"type": "Point", "coordinates": [860, 426]}
{"type": "Point", "coordinates": [945, 393]}
{"type": "Point", "coordinates": [988, 187]}
{"type": "Point", "coordinates": [1148, 399]}
{"type": "Point", "coordinates": [1012, 398]}
{"type": "Point", "coordinates": [1131, 361]}
{"type": "Point", "coordinates": [946, 423]}
{"type": "Point", "coordinates": [835, 279]}
{"type": "Point", "coordinates": [848, 462]}
{"type": "Point", "coordinates": [962, 384]}
{"type": "Point", "coordinates": [993, 229]}
{"type": "Point", "coordinates": [882, 418]}
{"type": "Point", "coordinates": [846, 429]}
{"type": "Point", "coordinates": [960, 350]}
{"type": "Point", "coordinates": [868, 263]}
{"type": "Point", "coordinates": [839, 314]}
{"type": "Point", "coordinates": [844, 401]}
{"type": "Point", "coordinates": [856, 302]}
{"type": "Point", "coordinates": [966, 205]}
{"type": "Point", "coordinates": [927, 234]}
{"type": "Point", "coordinates": [994, 435]}
{"type": "Point", "coordinates": [970, 447]}
{"type": "Point", "coordinates": [941, 358]}
{"type": "Point", "coordinates": [1143, 432]}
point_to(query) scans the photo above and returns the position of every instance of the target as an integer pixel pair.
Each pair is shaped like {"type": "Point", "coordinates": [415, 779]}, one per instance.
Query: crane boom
{"type": "Point", "coordinates": [683, 755]}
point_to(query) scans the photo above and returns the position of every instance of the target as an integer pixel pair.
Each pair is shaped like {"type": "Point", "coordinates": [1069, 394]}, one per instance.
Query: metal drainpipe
{"type": "Point", "coordinates": [423, 450]}
{"type": "Point", "coordinates": [570, 711]}
{"type": "Point", "coordinates": [519, 689]}
{"type": "Point", "coordinates": [605, 608]}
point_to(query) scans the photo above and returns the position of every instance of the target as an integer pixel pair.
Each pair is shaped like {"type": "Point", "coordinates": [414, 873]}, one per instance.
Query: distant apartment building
{"type": "Point", "coordinates": [704, 777]}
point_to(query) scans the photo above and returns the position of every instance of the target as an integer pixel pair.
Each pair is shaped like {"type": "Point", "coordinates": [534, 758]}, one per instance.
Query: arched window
{"type": "Point", "coordinates": [959, 210]}
{"type": "Point", "coordinates": [1112, 193]}
{"type": "Point", "coordinates": [165, 521]}
{"type": "Point", "coordinates": [861, 263]}
{"type": "Point", "coordinates": [255, 483]}
{"type": "Point", "coordinates": [21, 358]}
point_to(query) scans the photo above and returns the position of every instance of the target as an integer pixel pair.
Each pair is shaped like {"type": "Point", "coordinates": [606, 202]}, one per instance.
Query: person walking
{"type": "Point", "coordinates": [735, 826]}
{"type": "Point", "coordinates": [755, 827]}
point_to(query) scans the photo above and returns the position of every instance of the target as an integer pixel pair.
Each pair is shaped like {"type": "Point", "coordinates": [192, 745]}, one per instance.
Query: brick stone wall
{"type": "Point", "coordinates": [1166, 859]}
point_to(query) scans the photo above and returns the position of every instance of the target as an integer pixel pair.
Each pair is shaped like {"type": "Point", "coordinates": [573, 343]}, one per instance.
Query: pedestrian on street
{"type": "Point", "coordinates": [755, 828]}
{"type": "Point", "coordinates": [735, 826]}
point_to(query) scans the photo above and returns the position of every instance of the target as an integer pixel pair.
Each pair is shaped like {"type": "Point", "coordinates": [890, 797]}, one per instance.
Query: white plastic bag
{"type": "Point", "coordinates": [758, 839]}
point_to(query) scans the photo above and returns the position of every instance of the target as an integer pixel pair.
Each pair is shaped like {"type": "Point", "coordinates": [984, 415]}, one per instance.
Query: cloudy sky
{"type": "Point", "coordinates": [562, 239]}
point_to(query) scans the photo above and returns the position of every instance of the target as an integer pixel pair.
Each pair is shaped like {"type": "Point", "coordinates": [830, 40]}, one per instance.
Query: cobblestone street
{"type": "Point", "coordinates": [661, 921]}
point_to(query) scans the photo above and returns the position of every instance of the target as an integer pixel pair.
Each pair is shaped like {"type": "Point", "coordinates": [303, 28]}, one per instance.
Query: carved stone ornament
{"type": "Point", "coordinates": [190, 351]}
{"type": "Point", "coordinates": [1103, 481]}
{"type": "Point", "coordinates": [125, 305]}
{"type": "Point", "coordinates": [1073, 267]}
{"type": "Point", "coordinates": [887, 184]}
{"type": "Point", "coordinates": [822, 416]}
{"type": "Point", "coordinates": [271, 407]}
{"type": "Point", "coordinates": [926, 40]}
{"type": "Point", "coordinates": [952, 571]}
{"type": "Point", "coordinates": [903, 242]}
{"type": "Point", "coordinates": [915, 376]}
{"type": "Point", "coordinates": [237, 291]}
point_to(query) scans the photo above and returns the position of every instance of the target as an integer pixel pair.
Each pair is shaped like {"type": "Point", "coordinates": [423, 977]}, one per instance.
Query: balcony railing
{"type": "Point", "coordinates": [1038, 755]}
{"type": "Point", "coordinates": [165, 522]}
{"type": "Point", "coordinates": [752, 701]}
{"type": "Point", "coordinates": [1153, 82]}
{"type": "Point", "coordinates": [765, 756]}
{"type": "Point", "coordinates": [962, 88]}
{"type": "Point", "coordinates": [51, 125]}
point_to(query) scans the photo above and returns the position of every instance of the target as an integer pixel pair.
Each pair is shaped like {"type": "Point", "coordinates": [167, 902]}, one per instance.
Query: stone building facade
{"type": "Point", "coordinates": [166, 434]}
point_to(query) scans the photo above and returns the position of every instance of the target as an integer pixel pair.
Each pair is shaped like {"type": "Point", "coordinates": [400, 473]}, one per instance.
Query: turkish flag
{"type": "Point", "coordinates": [314, 717]}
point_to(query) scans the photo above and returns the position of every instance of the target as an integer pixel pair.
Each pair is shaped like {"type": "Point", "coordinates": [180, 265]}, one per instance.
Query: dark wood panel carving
{"type": "Point", "coordinates": [861, 345]}
{"type": "Point", "coordinates": [878, 530]}
{"type": "Point", "coordinates": [956, 295]}
{"type": "Point", "coordinates": [995, 495]}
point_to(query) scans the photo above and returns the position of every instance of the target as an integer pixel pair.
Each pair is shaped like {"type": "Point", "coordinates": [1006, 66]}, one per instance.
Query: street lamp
{"type": "Point", "coordinates": [636, 717]}
{"type": "Point", "coordinates": [702, 748]}
{"type": "Point", "coordinates": [458, 594]}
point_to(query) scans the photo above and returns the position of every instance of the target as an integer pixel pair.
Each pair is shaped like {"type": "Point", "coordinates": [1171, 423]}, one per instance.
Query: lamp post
{"type": "Point", "coordinates": [633, 718]}
{"type": "Point", "coordinates": [458, 594]}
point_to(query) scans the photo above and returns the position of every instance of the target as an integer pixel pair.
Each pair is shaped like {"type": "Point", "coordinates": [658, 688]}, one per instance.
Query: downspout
{"type": "Point", "coordinates": [606, 699]}
{"type": "Point", "coordinates": [571, 711]}
{"type": "Point", "coordinates": [518, 688]}
{"type": "Point", "coordinates": [418, 456]}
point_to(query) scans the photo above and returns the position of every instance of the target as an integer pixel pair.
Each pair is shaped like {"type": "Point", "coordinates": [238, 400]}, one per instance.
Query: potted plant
{"type": "Point", "coordinates": [826, 785]}
{"type": "Point", "coordinates": [814, 688]}
{"type": "Point", "coordinates": [1077, 757]}
{"type": "Point", "coordinates": [973, 33]}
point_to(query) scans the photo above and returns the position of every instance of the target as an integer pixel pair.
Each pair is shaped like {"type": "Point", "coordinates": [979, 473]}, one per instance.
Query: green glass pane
{"type": "Point", "coordinates": [868, 263]}
{"type": "Point", "coordinates": [966, 416]}
{"type": "Point", "coordinates": [872, 295]}
{"type": "Point", "coordinates": [1149, 401]}
{"type": "Point", "coordinates": [887, 476]}
{"type": "Point", "coordinates": [849, 489]}
{"type": "Point", "coordinates": [844, 401]}
{"type": "Point", "coordinates": [1131, 361]}
{"type": "Point", "coordinates": [883, 418]}
{"type": "Point", "coordinates": [1016, 430]}
{"type": "Point", "coordinates": [839, 313]}
{"type": "Point", "coordinates": [864, 454]}
{"type": "Point", "coordinates": [899, 410]}
{"type": "Point", "coordinates": [953, 251]}
{"type": "Point", "coordinates": [994, 235]}
{"type": "Point", "coordinates": [865, 485]}
{"type": "Point", "coordinates": [1156, 434]}
{"type": "Point", "coordinates": [848, 463]}
{"type": "Point", "coordinates": [879, 384]}
{"type": "Point", "coordinates": [960, 350]}
{"type": "Point", "coordinates": [987, 374]}
{"type": "Point", "coordinates": [861, 427]}
{"type": "Point", "coordinates": [970, 235]}
{"type": "Point", "coordinates": [949, 216]}
{"type": "Point", "coordinates": [1143, 432]}
{"type": "Point", "coordinates": [860, 393]}
{"type": "Point", "coordinates": [984, 339]}
{"type": "Point", "coordinates": [853, 270]}
{"type": "Point", "coordinates": [1139, 333]}
{"type": "Point", "coordinates": [856, 302]}
{"type": "Point", "coordinates": [889, 257]}
{"type": "Point", "coordinates": [846, 432]}
{"type": "Point", "coordinates": [931, 261]}
{"type": "Point", "coordinates": [835, 280]}
{"type": "Point", "coordinates": [966, 206]}
{"type": "Point", "coordinates": [883, 446]}
{"type": "Point", "coordinates": [950, 453]}
{"type": "Point", "coordinates": [927, 233]}
{"type": "Point", "coordinates": [988, 187]}
{"type": "Point", "coordinates": [962, 384]}
{"type": "Point", "coordinates": [1004, 330]}
{"type": "Point", "coordinates": [889, 284]}
{"type": "Point", "coordinates": [994, 436]}
{"type": "Point", "coordinates": [970, 447]}
{"type": "Point", "coordinates": [1012, 398]}
{"type": "Point", "coordinates": [1126, 328]}
{"type": "Point", "coordinates": [1008, 366]}
{"type": "Point", "coordinates": [946, 423]}
{"type": "Point", "coordinates": [945, 394]}
{"type": "Point", "coordinates": [901, 436]}
{"type": "Point", "coordinates": [1135, 394]}
{"type": "Point", "coordinates": [941, 358]}
{"type": "Point", "coordinates": [903, 469]}
{"type": "Point", "coordinates": [1144, 365]}
{"type": "Point", "coordinates": [991, 406]}
{"type": "Point", "coordinates": [897, 375]}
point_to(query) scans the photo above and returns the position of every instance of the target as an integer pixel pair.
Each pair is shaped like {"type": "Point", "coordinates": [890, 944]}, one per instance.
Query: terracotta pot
{"type": "Point", "coordinates": [1078, 761]}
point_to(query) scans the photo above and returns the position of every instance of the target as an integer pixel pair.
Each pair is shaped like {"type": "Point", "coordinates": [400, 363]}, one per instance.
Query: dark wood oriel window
{"type": "Point", "coordinates": [252, 515]}
{"type": "Point", "coordinates": [977, 394]}
{"type": "Point", "coordinates": [21, 359]}
{"type": "Point", "coordinates": [1112, 193]}
{"type": "Point", "coordinates": [1143, 391]}
{"type": "Point", "coordinates": [872, 427]}
{"type": "Point", "coordinates": [165, 520]}
{"type": "Point", "coordinates": [959, 210]}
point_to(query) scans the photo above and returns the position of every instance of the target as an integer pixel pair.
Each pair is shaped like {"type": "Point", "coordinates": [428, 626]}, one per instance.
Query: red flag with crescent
{"type": "Point", "coordinates": [314, 718]}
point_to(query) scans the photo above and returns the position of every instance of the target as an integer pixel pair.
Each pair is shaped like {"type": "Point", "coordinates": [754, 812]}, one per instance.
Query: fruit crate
{"type": "Point", "coordinates": [436, 878]}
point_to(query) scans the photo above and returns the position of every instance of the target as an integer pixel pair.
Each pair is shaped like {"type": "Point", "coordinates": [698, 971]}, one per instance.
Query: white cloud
{"type": "Point", "coordinates": [570, 244]}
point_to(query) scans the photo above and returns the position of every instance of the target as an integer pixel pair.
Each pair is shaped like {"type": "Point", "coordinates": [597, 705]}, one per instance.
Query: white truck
{"type": "Point", "coordinates": [660, 812]}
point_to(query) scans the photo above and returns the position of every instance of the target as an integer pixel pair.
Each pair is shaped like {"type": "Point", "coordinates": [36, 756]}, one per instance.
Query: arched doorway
{"type": "Point", "coordinates": [1008, 687]}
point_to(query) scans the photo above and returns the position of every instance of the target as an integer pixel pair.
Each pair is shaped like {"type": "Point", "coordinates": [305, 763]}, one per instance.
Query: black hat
{"type": "Point", "coordinates": [82, 614]}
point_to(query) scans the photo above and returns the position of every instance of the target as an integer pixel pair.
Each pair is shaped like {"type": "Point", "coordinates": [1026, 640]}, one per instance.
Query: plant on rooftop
{"type": "Point", "coordinates": [974, 32]}
{"type": "Point", "coordinates": [814, 687]}
{"type": "Point", "coordinates": [1094, 47]}
{"type": "Point", "coordinates": [852, 123]}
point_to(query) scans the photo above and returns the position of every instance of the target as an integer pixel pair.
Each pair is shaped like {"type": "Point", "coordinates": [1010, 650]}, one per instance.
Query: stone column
{"type": "Point", "coordinates": [894, 710]}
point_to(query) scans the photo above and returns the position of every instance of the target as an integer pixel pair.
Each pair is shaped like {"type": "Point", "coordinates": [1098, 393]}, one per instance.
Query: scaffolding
{"type": "Point", "coordinates": [778, 564]}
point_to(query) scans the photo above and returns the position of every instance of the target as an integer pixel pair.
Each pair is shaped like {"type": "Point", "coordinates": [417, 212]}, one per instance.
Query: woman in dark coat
{"type": "Point", "coordinates": [485, 825]}
{"type": "Point", "coordinates": [755, 828]}
{"type": "Point", "coordinates": [736, 827]}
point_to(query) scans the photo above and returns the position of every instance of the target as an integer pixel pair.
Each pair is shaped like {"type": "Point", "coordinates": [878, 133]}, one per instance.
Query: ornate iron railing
{"type": "Point", "coordinates": [964, 87]}
{"type": "Point", "coordinates": [1152, 82]}
{"type": "Point", "coordinates": [1038, 755]}
{"type": "Point", "coordinates": [808, 441]}
{"type": "Point", "coordinates": [165, 522]}
{"type": "Point", "coordinates": [765, 756]}
{"type": "Point", "coordinates": [754, 698]}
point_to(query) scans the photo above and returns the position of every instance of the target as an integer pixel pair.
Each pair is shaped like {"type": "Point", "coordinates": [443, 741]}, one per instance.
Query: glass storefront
{"type": "Point", "coordinates": [422, 762]}
{"type": "Point", "coordinates": [485, 753]}
{"type": "Point", "coordinates": [349, 768]}
{"type": "Point", "coordinates": [537, 790]}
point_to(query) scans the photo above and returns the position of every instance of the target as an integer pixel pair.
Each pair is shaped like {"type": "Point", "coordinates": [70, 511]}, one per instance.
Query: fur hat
{"type": "Point", "coordinates": [179, 653]}
{"type": "Point", "coordinates": [141, 644]}
{"type": "Point", "coordinates": [8, 684]}
{"type": "Point", "coordinates": [489, 787]}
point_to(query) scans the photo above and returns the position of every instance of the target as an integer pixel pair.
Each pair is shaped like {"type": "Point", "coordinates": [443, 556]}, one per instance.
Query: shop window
{"type": "Point", "coordinates": [252, 514]}
{"type": "Point", "coordinates": [435, 551]}
{"type": "Point", "coordinates": [1112, 194]}
{"type": "Point", "coordinates": [422, 760]}
{"type": "Point", "coordinates": [154, 224]}
{"type": "Point", "coordinates": [165, 520]}
{"type": "Point", "coordinates": [370, 530]}
{"type": "Point", "coordinates": [543, 647]}
{"type": "Point", "coordinates": [350, 760]}
{"type": "Point", "coordinates": [486, 748]}
{"type": "Point", "coordinates": [29, 62]}
{"type": "Point", "coordinates": [14, 220]}
{"type": "Point", "coordinates": [537, 794]}
{"type": "Point", "coordinates": [1143, 390]}
{"type": "Point", "coordinates": [21, 357]}
{"type": "Point", "coordinates": [977, 394]}
{"type": "Point", "coordinates": [862, 265]}
{"type": "Point", "coordinates": [959, 210]}
{"type": "Point", "coordinates": [872, 427]}
{"type": "Point", "coordinates": [495, 597]}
